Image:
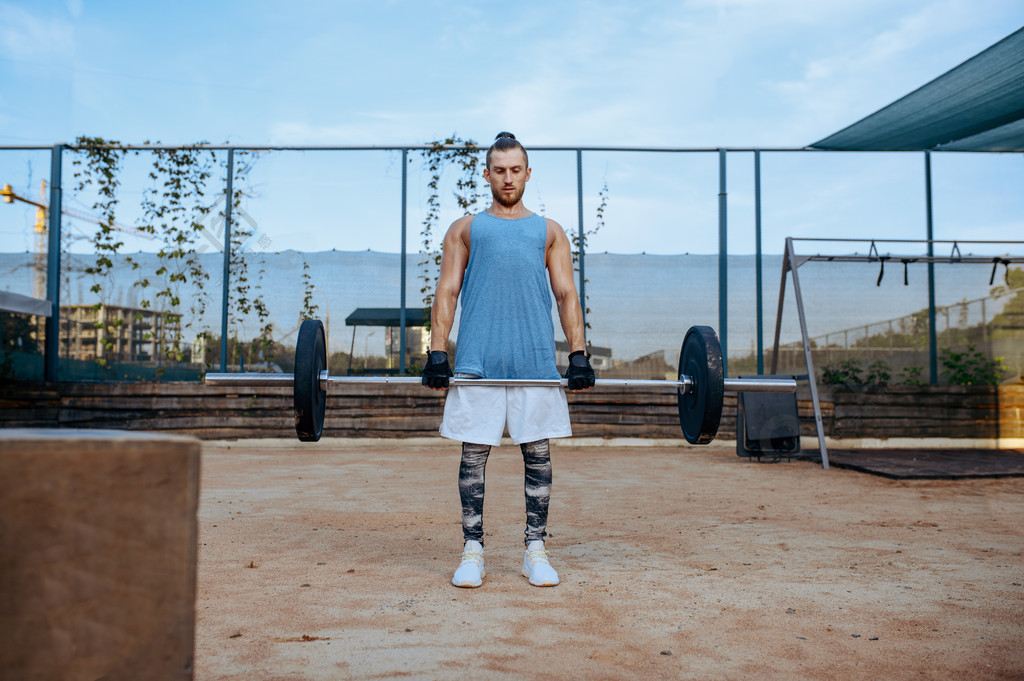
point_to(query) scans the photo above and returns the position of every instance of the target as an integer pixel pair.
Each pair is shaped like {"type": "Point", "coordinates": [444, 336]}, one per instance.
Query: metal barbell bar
{"type": "Point", "coordinates": [773, 385]}
{"type": "Point", "coordinates": [699, 388]}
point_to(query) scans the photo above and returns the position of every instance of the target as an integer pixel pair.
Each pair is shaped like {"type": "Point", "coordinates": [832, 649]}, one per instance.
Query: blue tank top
{"type": "Point", "coordinates": [505, 327]}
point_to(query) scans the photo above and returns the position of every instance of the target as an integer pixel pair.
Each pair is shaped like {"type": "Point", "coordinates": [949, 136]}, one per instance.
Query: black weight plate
{"type": "Point", "coordinates": [310, 400]}
{"type": "Point", "coordinates": [700, 409]}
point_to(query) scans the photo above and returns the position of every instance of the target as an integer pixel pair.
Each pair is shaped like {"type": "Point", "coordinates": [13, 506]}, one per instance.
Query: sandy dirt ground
{"type": "Point", "coordinates": [333, 561]}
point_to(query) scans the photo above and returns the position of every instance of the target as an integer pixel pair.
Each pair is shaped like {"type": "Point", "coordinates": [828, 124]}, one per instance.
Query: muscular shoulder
{"type": "Point", "coordinates": [459, 231]}
{"type": "Point", "coordinates": [555, 233]}
{"type": "Point", "coordinates": [464, 222]}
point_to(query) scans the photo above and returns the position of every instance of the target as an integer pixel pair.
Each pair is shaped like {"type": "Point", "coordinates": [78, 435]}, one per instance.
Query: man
{"type": "Point", "coordinates": [497, 261]}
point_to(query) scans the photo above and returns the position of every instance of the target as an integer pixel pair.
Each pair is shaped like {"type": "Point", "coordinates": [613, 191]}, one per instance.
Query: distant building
{"type": "Point", "coordinates": [122, 334]}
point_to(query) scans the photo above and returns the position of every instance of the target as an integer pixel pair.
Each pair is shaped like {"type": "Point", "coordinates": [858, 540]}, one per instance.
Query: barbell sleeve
{"type": "Point", "coordinates": [760, 385]}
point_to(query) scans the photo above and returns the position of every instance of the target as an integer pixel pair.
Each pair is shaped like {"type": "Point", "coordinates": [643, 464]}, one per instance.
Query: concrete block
{"type": "Point", "coordinates": [98, 559]}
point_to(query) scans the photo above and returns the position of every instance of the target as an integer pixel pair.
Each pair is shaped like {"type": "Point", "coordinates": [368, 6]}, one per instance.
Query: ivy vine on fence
{"type": "Point", "coordinates": [247, 294]}
{"type": "Point", "coordinates": [464, 155]}
{"type": "Point", "coordinates": [175, 209]}
{"type": "Point", "coordinates": [98, 164]}
{"type": "Point", "coordinates": [577, 243]}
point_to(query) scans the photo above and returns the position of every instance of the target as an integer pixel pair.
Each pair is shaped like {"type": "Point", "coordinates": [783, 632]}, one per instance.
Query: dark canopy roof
{"type": "Point", "coordinates": [388, 316]}
{"type": "Point", "coordinates": [977, 106]}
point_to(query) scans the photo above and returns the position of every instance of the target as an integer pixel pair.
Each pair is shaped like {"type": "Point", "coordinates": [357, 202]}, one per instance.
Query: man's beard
{"type": "Point", "coordinates": [508, 200]}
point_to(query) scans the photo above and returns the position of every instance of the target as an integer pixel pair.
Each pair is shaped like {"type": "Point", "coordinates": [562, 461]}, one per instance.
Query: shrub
{"type": "Point", "coordinates": [879, 373]}
{"type": "Point", "coordinates": [911, 376]}
{"type": "Point", "coordinates": [849, 372]}
{"type": "Point", "coordinates": [971, 367]}
{"type": "Point", "coordinates": [841, 372]}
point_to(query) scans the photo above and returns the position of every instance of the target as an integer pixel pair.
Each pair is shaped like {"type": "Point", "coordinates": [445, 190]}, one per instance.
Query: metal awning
{"type": "Point", "coordinates": [388, 316]}
{"type": "Point", "coordinates": [15, 302]}
{"type": "Point", "coordinates": [977, 106]}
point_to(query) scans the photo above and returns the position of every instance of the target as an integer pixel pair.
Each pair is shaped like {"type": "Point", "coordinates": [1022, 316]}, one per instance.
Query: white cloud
{"type": "Point", "coordinates": [699, 73]}
{"type": "Point", "coordinates": [26, 37]}
{"type": "Point", "coordinates": [857, 78]}
{"type": "Point", "coordinates": [736, 72]}
{"type": "Point", "coordinates": [373, 128]}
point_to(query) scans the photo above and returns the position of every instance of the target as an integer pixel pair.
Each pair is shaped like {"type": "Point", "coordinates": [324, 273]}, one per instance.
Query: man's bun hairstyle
{"type": "Point", "coordinates": [504, 141]}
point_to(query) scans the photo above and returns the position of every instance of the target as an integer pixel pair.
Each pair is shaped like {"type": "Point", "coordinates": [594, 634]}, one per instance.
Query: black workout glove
{"type": "Point", "coordinates": [437, 371]}
{"type": "Point", "coordinates": [579, 373]}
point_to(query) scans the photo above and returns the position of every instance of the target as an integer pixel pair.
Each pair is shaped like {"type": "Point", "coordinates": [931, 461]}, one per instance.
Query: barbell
{"type": "Point", "coordinates": [700, 387]}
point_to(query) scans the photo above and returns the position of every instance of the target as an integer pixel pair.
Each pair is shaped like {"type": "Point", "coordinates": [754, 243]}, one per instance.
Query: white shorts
{"type": "Point", "coordinates": [479, 414]}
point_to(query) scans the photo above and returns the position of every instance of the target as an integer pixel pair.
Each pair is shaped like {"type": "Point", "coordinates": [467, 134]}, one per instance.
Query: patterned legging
{"type": "Point", "coordinates": [536, 457]}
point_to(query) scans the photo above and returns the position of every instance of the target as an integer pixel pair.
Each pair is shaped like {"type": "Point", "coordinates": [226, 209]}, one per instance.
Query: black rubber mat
{"type": "Point", "coordinates": [904, 464]}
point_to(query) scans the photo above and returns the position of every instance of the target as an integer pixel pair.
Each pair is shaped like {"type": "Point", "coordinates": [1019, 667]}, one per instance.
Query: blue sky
{"type": "Point", "coordinates": [691, 73]}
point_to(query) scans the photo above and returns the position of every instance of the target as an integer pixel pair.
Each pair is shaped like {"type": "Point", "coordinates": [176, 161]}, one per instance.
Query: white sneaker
{"type": "Point", "coordinates": [471, 571]}
{"type": "Point", "coordinates": [536, 566]}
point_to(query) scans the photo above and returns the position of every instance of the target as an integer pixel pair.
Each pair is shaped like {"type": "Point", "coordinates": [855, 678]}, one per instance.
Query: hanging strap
{"type": "Point", "coordinates": [906, 261]}
{"type": "Point", "coordinates": [996, 262]}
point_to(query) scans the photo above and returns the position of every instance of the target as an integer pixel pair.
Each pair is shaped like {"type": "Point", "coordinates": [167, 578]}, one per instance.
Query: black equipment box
{"type": "Point", "coordinates": [767, 424]}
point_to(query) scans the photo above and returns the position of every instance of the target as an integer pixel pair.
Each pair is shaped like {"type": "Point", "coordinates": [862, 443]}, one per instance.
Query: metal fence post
{"type": "Point", "coordinates": [723, 263]}
{"type": "Point", "coordinates": [933, 354]}
{"type": "Point", "coordinates": [757, 263]}
{"type": "Point", "coordinates": [579, 210]}
{"type": "Point", "coordinates": [401, 313]}
{"type": "Point", "coordinates": [51, 361]}
{"type": "Point", "coordinates": [228, 204]}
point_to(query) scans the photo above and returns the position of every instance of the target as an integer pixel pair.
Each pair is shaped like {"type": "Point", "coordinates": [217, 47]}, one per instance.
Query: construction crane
{"type": "Point", "coordinates": [38, 282]}
{"type": "Point", "coordinates": [41, 231]}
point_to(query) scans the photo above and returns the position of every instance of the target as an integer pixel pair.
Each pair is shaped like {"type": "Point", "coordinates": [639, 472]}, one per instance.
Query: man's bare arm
{"type": "Point", "coordinates": [454, 258]}
{"type": "Point", "coordinates": [563, 285]}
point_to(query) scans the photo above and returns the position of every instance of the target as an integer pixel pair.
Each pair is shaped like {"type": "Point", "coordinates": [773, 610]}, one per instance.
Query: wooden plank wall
{"type": "Point", "coordinates": [947, 411]}
{"type": "Point", "coordinates": [403, 411]}
{"type": "Point", "coordinates": [352, 411]}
